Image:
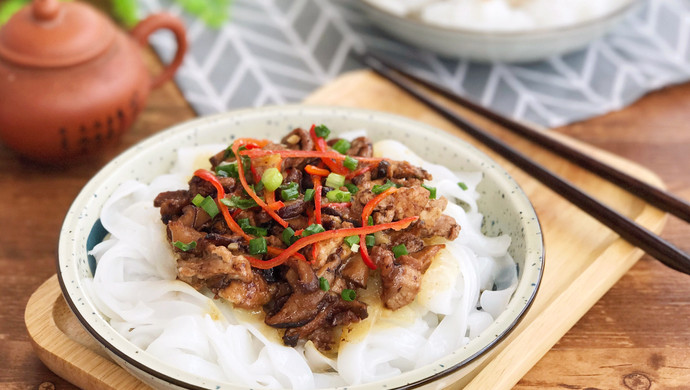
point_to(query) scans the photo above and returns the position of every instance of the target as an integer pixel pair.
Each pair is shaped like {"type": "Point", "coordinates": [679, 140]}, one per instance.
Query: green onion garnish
{"type": "Point", "coordinates": [323, 284]}
{"type": "Point", "coordinates": [322, 131]}
{"type": "Point", "coordinates": [351, 188]}
{"type": "Point", "coordinates": [249, 229]}
{"type": "Point", "coordinates": [288, 236]}
{"type": "Point", "coordinates": [351, 240]}
{"type": "Point", "coordinates": [272, 178]}
{"type": "Point", "coordinates": [341, 146]}
{"type": "Point", "coordinates": [185, 247]}
{"type": "Point", "coordinates": [463, 186]}
{"type": "Point", "coordinates": [197, 200]}
{"type": "Point", "coordinates": [369, 240]}
{"type": "Point", "coordinates": [377, 189]}
{"type": "Point", "coordinates": [309, 194]}
{"type": "Point", "coordinates": [432, 191]}
{"type": "Point", "coordinates": [399, 250]}
{"type": "Point", "coordinates": [227, 170]}
{"type": "Point", "coordinates": [229, 152]}
{"type": "Point", "coordinates": [289, 191]}
{"type": "Point", "coordinates": [257, 246]}
{"type": "Point", "coordinates": [335, 180]}
{"type": "Point", "coordinates": [348, 295]}
{"type": "Point", "coordinates": [370, 221]}
{"type": "Point", "coordinates": [338, 196]}
{"type": "Point", "coordinates": [313, 229]}
{"type": "Point", "coordinates": [350, 163]}
{"type": "Point", "coordinates": [237, 202]}
{"type": "Point", "coordinates": [207, 204]}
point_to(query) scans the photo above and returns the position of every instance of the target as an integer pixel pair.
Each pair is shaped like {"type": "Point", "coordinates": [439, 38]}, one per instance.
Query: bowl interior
{"type": "Point", "coordinates": [493, 45]}
{"type": "Point", "coordinates": [621, 8]}
{"type": "Point", "coordinates": [505, 207]}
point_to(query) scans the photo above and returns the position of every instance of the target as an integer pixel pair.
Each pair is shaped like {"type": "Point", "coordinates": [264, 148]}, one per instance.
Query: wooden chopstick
{"type": "Point", "coordinates": [630, 231]}
{"type": "Point", "coordinates": [658, 198]}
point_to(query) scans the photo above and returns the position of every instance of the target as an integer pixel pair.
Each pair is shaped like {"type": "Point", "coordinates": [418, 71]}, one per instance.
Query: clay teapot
{"type": "Point", "coordinates": [71, 81]}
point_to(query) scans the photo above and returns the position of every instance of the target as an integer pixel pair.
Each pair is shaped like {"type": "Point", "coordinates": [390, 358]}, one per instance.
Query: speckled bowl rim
{"type": "Point", "coordinates": [508, 35]}
{"type": "Point", "coordinates": [72, 251]}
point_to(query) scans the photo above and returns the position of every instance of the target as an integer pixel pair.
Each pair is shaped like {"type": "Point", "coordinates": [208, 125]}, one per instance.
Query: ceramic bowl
{"type": "Point", "coordinates": [504, 205]}
{"type": "Point", "coordinates": [489, 46]}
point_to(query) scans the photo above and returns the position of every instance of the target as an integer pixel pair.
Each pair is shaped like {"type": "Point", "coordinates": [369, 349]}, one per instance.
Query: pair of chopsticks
{"type": "Point", "coordinates": [627, 229]}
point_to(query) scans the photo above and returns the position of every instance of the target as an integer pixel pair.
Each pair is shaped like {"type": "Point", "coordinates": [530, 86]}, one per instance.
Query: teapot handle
{"type": "Point", "coordinates": [154, 22]}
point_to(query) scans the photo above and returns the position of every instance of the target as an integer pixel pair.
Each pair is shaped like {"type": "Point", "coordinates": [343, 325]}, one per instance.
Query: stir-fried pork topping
{"type": "Point", "coordinates": [241, 249]}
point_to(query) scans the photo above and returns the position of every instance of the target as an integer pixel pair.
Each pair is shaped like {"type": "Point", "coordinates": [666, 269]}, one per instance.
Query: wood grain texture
{"type": "Point", "coordinates": [640, 325]}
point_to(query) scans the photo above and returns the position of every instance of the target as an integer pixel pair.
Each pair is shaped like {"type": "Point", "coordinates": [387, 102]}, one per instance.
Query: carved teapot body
{"type": "Point", "coordinates": [70, 81]}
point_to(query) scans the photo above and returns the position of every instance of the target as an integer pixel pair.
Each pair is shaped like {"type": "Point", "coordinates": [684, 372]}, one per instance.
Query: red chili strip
{"type": "Point", "coordinates": [366, 212]}
{"type": "Point", "coordinates": [285, 153]}
{"type": "Point", "coordinates": [312, 170]}
{"type": "Point", "coordinates": [304, 241]}
{"type": "Point", "coordinates": [321, 146]}
{"type": "Point", "coordinates": [360, 171]}
{"type": "Point", "coordinates": [317, 198]}
{"type": "Point", "coordinates": [211, 178]}
{"type": "Point", "coordinates": [232, 224]}
{"type": "Point", "coordinates": [252, 194]}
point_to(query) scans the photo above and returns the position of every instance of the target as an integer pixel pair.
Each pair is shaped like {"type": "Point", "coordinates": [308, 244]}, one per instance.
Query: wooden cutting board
{"type": "Point", "coordinates": [583, 258]}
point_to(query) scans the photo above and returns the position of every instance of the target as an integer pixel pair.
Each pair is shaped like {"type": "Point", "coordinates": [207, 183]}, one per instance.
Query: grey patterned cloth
{"type": "Point", "coordinates": [278, 51]}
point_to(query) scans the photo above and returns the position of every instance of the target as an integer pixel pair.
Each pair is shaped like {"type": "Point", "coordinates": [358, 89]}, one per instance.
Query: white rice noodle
{"type": "Point", "coordinates": [135, 287]}
{"type": "Point", "coordinates": [501, 15]}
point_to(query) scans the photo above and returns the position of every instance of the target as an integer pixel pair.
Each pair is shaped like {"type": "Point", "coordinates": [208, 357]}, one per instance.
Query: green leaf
{"type": "Point", "coordinates": [9, 8]}
{"type": "Point", "coordinates": [126, 12]}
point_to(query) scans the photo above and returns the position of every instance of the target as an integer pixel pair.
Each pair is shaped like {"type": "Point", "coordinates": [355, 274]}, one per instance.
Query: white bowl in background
{"type": "Point", "coordinates": [489, 46]}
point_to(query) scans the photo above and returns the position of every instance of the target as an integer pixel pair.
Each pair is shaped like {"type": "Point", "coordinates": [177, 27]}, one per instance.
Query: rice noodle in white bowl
{"type": "Point", "coordinates": [173, 335]}
{"type": "Point", "coordinates": [498, 30]}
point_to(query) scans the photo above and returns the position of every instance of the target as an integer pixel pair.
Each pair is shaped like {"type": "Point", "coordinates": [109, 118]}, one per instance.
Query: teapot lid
{"type": "Point", "coordinates": [49, 33]}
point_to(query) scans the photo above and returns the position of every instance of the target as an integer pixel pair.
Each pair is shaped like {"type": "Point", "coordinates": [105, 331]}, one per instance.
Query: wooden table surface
{"type": "Point", "coordinates": [636, 337]}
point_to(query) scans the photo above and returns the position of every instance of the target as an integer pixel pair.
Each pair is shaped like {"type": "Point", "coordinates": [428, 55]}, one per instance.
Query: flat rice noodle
{"type": "Point", "coordinates": [135, 287]}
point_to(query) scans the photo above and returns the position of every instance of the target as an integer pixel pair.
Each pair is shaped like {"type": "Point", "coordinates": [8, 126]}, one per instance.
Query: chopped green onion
{"type": "Point", "coordinates": [322, 131]}
{"type": "Point", "coordinates": [228, 152]}
{"type": "Point", "coordinates": [237, 202]}
{"type": "Point", "coordinates": [258, 187]}
{"type": "Point", "coordinates": [272, 178]}
{"type": "Point", "coordinates": [313, 229]}
{"type": "Point", "coordinates": [185, 247]}
{"type": "Point", "coordinates": [227, 170]}
{"type": "Point", "coordinates": [338, 196]}
{"type": "Point", "coordinates": [351, 188]}
{"type": "Point", "coordinates": [370, 221]}
{"type": "Point", "coordinates": [351, 240]}
{"type": "Point", "coordinates": [197, 200]}
{"type": "Point", "coordinates": [289, 191]}
{"type": "Point", "coordinates": [341, 146]}
{"type": "Point", "coordinates": [335, 180]}
{"type": "Point", "coordinates": [309, 194]}
{"type": "Point", "coordinates": [348, 295]}
{"type": "Point", "coordinates": [350, 163]}
{"type": "Point", "coordinates": [399, 250]}
{"type": "Point", "coordinates": [288, 236]}
{"type": "Point", "coordinates": [463, 186]}
{"type": "Point", "coordinates": [257, 246]}
{"type": "Point", "coordinates": [369, 240]}
{"type": "Point", "coordinates": [432, 191]}
{"type": "Point", "coordinates": [323, 284]}
{"type": "Point", "coordinates": [249, 229]}
{"type": "Point", "coordinates": [377, 189]}
{"type": "Point", "coordinates": [246, 162]}
{"type": "Point", "coordinates": [207, 204]}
